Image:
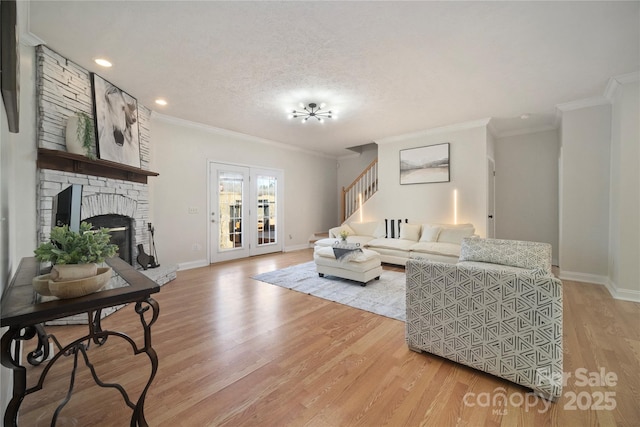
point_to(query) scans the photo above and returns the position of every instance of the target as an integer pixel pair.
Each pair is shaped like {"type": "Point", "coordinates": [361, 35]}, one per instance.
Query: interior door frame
{"type": "Point", "coordinates": [250, 235]}
{"type": "Point", "coordinates": [491, 197]}
{"type": "Point", "coordinates": [212, 251]}
{"type": "Point", "coordinates": [278, 246]}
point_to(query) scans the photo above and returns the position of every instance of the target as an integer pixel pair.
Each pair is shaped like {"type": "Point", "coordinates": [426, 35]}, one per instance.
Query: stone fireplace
{"type": "Point", "coordinates": [114, 196]}
{"type": "Point", "coordinates": [105, 203]}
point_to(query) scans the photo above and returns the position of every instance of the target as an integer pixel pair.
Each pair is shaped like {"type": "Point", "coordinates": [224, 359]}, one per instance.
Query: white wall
{"type": "Point", "coordinates": [18, 176]}
{"type": "Point", "coordinates": [18, 188]}
{"type": "Point", "coordinates": [180, 154]}
{"type": "Point", "coordinates": [624, 238]}
{"type": "Point", "coordinates": [584, 194]}
{"type": "Point", "coordinates": [434, 202]}
{"type": "Point", "coordinates": [527, 188]}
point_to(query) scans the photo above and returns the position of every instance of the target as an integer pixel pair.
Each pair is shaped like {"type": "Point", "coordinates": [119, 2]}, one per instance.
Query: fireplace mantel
{"type": "Point", "coordinates": [69, 162]}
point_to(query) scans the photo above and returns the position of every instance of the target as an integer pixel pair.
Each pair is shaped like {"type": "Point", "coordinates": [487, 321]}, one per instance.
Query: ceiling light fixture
{"type": "Point", "coordinates": [312, 110]}
{"type": "Point", "coordinates": [161, 102]}
{"type": "Point", "coordinates": [103, 62]}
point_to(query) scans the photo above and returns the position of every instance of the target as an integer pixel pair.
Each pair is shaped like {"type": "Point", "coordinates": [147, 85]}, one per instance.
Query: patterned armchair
{"type": "Point", "coordinates": [491, 315]}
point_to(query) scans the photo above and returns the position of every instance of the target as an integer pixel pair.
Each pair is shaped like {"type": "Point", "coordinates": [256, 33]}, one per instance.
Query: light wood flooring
{"type": "Point", "coordinates": [237, 352]}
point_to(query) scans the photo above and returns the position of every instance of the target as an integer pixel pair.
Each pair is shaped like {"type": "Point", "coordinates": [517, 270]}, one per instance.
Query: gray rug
{"type": "Point", "coordinates": [385, 296]}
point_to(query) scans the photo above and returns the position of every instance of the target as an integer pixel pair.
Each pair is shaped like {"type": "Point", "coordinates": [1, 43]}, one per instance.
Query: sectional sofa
{"type": "Point", "coordinates": [436, 242]}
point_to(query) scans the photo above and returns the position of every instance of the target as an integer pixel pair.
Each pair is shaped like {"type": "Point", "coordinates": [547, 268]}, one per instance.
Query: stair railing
{"type": "Point", "coordinates": [359, 191]}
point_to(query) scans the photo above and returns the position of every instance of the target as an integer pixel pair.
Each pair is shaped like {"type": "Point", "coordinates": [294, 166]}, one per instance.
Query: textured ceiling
{"type": "Point", "coordinates": [388, 68]}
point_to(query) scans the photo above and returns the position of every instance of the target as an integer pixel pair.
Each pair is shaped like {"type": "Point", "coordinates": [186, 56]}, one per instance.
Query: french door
{"type": "Point", "coordinates": [245, 211]}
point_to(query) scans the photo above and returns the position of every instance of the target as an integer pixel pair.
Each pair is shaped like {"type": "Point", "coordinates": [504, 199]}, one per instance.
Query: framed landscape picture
{"type": "Point", "coordinates": [116, 115]}
{"type": "Point", "coordinates": [425, 164]}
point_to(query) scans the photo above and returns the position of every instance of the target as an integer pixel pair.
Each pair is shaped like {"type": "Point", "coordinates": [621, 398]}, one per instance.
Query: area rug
{"type": "Point", "coordinates": [385, 297]}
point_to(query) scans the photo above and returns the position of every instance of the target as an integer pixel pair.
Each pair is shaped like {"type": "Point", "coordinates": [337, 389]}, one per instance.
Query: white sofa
{"type": "Point", "coordinates": [498, 310]}
{"type": "Point", "coordinates": [436, 242]}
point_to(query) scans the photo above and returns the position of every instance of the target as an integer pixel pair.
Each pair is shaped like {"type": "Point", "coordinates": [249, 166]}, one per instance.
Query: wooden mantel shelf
{"type": "Point", "coordinates": [68, 162]}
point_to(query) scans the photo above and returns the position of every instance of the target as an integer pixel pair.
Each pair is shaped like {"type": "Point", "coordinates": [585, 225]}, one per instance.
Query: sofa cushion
{"type": "Point", "coordinates": [330, 241]}
{"type": "Point", "coordinates": [410, 232]}
{"type": "Point", "coordinates": [494, 267]}
{"type": "Point", "coordinates": [335, 231]}
{"type": "Point", "coordinates": [516, 253]}
{"type": "Point", "coordinates": [455, 235]}
{"type": "Point", "coordinates": [430, 233]}
{"type": "Point", "coordinates": [364, 228]}
{"type": "Point", "coordinates": [363, 256]}
{"type": "Point", "coordinates": [438, 248]}
{"type": "Point", "coordinates": [399, 244]}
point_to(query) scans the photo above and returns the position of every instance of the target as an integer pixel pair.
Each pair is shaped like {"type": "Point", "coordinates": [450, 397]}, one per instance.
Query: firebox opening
{"type": "Point", "coordinates": [121, 229]}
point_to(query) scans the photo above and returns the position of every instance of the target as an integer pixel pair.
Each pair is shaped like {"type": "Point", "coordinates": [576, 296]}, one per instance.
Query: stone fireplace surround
{"type": "Point", "coordinates": [62, 89]}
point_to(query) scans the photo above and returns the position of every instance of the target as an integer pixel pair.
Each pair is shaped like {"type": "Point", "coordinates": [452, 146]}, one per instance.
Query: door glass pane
{"type": "Point", "coordinates": [266, 216]}
{"type": "Point", "coordinates": [230, 208]}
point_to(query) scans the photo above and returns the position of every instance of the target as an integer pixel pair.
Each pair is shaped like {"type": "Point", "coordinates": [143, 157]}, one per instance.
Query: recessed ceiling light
{"type": "Point", "coordinates": [160, 101]}
{"type": "Point", "coordinates": [103, 62]}
{"type": "Point", "coordinates": [525, 116]}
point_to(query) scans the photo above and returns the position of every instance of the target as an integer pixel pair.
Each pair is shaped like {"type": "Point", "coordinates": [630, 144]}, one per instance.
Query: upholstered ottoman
{"type": "Point", "coordinates": [361, 266]}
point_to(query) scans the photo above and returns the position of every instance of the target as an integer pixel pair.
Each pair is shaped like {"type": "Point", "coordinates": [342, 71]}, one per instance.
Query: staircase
{"type": "Point", "coordinates": [360, 190]}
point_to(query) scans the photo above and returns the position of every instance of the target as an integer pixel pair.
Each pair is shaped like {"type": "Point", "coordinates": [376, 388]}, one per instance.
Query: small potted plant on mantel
{"type": "Point", "coordinates": [79, 135]}
{"type": "Point", "coordinates": [74, 256]}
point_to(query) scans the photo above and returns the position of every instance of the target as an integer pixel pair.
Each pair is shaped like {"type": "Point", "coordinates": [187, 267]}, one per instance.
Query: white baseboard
{"type": "Point", "coordinates": [296, 247]}
{"type": "Point", "coordinates": [621, 294]}
{"type": "Point", "coordinates": [193, 264]}
{"type": "Point", "coordinates": [583, 277]}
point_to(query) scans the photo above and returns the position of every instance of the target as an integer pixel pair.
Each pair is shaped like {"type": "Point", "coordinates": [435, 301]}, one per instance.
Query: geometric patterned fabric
{"type": "Point", "coordinates": [504, 323]}
{"type": "Point", "coordinates": [516, 253]}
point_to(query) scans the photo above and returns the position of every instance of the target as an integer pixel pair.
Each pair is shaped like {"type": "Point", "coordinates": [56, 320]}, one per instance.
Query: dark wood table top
{"type": "Point", "coordinates": [21, 305]}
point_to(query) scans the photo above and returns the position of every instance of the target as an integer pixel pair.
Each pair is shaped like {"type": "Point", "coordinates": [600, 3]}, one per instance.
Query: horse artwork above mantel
{"type": "Point", "coordinates": [116, 115]}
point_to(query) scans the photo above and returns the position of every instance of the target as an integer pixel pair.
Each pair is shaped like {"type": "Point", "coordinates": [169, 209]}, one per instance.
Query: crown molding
{"type": "Point", "coordinates": [492, 129]}
{"type": "Point", "coordinates": [617, 81]}
{"type": "Point", "coordinates": [583, 103]}
{"type": "Point", "coordinates": [442, 129]}
{"type": "Point", "coordinates": [224, 132]}
{"type": "Point", "coordinates": [30, 39]}
{"type": "Point", "coordinates": [528, 130]}
{"type": "Point", "coordinates": [26, 36]}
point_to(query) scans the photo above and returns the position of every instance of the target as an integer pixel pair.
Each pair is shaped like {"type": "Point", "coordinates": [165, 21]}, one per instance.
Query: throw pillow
{"type": "Point", "coordinates": [454, 235]}
{"type": "Point", "coordinates": [410, 232]}
{"type": "Point", "coordinates": [335, 232]}
{"type": "Point", "coordinates": [380, 231]}
{"type": "Point", "coordinates": [392, 227]}
{"type": "Point", "coordinates": [364, 228]}
{"type": "Point", "coordinates": [430, 233]}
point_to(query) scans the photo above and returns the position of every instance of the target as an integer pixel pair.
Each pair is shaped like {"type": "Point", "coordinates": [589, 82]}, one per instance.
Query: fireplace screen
{"type": "Point", "coordinates": [121, 229]}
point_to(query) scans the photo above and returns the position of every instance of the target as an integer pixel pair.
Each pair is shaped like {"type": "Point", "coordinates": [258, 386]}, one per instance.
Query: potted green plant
{"type": "Point", "coordinates": [70, 247]}
{"type": "Point", "coordinates": [80, 135]}
{"type": "Point", "coordinates": [74, 256]}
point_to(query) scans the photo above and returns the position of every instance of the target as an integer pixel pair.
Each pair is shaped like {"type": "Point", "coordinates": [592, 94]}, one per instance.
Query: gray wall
{"type": "Point", "coordinates": [584, 193]}
{"type": "Point", "coordinates": [624, 214]}
{"type": "Point", "coordinates": [18, 188]}
{"type": "Point", "coordinates": [527, 188]}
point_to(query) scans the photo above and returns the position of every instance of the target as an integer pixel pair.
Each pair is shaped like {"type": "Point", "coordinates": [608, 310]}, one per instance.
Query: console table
{"type": "Point", "coordinates": [25, 314]}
